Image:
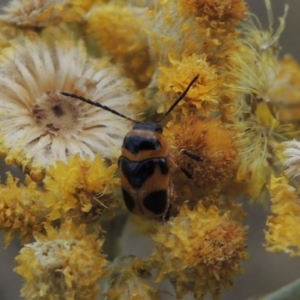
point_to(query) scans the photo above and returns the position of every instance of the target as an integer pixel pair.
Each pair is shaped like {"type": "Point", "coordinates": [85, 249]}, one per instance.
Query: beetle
{"type": "Point", "coordinates": [145, 164]}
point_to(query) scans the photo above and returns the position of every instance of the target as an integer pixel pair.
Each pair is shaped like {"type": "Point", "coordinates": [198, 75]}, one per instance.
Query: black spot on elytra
{"type": "Point", "coordinates": [138, 172]}
{"type": "Point", "coordinates": [156, 201]}
{"type": "Point", "coordinates": [129, 201]}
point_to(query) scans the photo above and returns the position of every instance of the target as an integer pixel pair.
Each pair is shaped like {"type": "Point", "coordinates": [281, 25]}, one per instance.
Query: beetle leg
{"type": "Point", "coordinates": [191, 155]}
{"type": "Point", "coordinates": [172, 160]}
{"type": "Point", "coordinates": [119, 160]}
{"type": "Point", "coordinates": [186, 173]}
{"type": "Point", "coordinates": [167, 216]}
{"type": "Point", "coordinates": [174, 164]}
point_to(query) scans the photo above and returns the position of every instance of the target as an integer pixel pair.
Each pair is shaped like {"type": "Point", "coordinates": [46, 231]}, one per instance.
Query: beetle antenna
{"type": "Point", "coordinates": [178, 100]}
{"type": "Point", "coordinates": [125, 117]}
{"type": "Point", "coordinates": [99, 105]}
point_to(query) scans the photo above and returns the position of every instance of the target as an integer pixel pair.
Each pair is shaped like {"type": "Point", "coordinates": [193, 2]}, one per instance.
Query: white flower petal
{"type": "Point", "coordinates": [292, 160]}
{"type": "Point", "coordinates": [48, 126]}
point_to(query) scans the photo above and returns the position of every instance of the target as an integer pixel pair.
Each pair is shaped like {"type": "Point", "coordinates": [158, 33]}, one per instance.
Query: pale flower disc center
{"type": "Point", "coordinates": [55, 115]}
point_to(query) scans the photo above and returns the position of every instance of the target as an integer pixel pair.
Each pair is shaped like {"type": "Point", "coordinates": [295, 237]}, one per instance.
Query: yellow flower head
{"type": "Point", "coordinates": [263, 40]}
{"type": "Point", "coordinates": [22, 210]}
{"type": "Point", "coordinates": [256, 61]}
{"type": "Point", "coordinates": [166, 25]}
{"type": "Point", "coordinates": [229, 12]}
{"type": "Point", "coordinates": [39, 126]}
{"type": "Point", "coordinates": [254, 72]}
{"type": "Point", "coordinates": [119, 31]}
{"type": "Point", "coordinates": [210, 140]}
{"type": "Point", "coordinates": [199, 251]}
{"type": "Point", "coordinates": [83, 188]}
{"type": "Point", "coordinates": [285, 91]}
{"type": "Point", "coordinates": [64, 264]}
{"type": "Point", "coordinates": [255, 118]}
{"type": "Point", "coordinates": [195, 26]}
{"type": "Point", "coordinates": [283, 227]}
{"type": "Point", "coordinates": [128, 281]}
{"type": "Point", "coordinates": [175, 78]}
{"type": "Point", "coordinates": [42, 13]}
{"type": "Point", "coordinates": [257, 139]}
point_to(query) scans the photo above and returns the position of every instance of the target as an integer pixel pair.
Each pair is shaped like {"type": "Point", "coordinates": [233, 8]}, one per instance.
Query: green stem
{"type": "Point", "coordinates": [288, 292]}
{"type": "Point", "coordinates": [114, 229]}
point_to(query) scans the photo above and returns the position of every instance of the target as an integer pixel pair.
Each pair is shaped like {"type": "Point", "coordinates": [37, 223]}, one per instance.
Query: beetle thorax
{"type": "Point", "coordinates": [144, 144]}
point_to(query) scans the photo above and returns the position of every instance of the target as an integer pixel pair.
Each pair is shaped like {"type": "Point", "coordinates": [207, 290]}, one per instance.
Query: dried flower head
{"type": "Point", "coordinates": [203, 26]}
{"type": "Point", "coordinates": [34, 13]}
{"type": "Point", "coordinates": [285, 91]}
{"type": "Point", "coordinates": [210, 140]}
{"type": "Point", "coordinates": [175, 78]}
{"type": "Point", "coordinates": [127, 280]}
{"type": "Point", "coordinates": [119, 31]}
{"type": "Point", "coordinates": [83, 189]}
{"type": "Point", "coordinates": [164, 29]}
{"type": "Point", "coordinates": [255, 139]}
{"type": "Point", "coordinates": [255, 67]}
{"type": "Point", "coordinates": [43, 13]}
{"type": "Point", "coordinates": [254, 72]}
{"type": "Point", "coordinates": [64, 264]}
{"type": "Point", "coordinates": [283, 227]}
{"type": "Point", "coordinates": [263, 40]}
{"type": "Point", "coordinates": [257, 60]}
{"type": "Point", "coordinates": [255, 117]}
{"type": "Point", "coordinates": [199, 251]}
{"type": "Point", "coordinates": [22, 209]}
{"type": "Point", "coordinates": [39, 126]}
{"type": "Point", "coordinates": [229, 12]}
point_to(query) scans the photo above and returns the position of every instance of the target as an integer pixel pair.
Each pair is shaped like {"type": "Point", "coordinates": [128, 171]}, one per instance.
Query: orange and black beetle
{"type": "Point", "coordinates": [145, 175]}
{"type": "Point", "coordinates": [145, 164]}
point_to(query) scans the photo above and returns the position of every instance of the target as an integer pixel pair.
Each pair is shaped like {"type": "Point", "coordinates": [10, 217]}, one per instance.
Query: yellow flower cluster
{"type": "Point", "coordinates": [43, 13]}
{"type": "Point", "coordinates": [85, 195]}
{"type": "Point", "coordinates": [63, 264]}
{"type": "Point", "coordinates": [22, 210]}
{"type": "Point", "coordinates": [204, 94]}
{"type": "Point", "coordinates": [199, 251]}
{"type": "Point", "coordinates": [283, 234]}
{"type": "Point", "coordinates": [213, 142]}
{"type": "Point", "coordinates": [119, 31]}
{"type": "Point", "coordinates": [254, 117]}
{"type": "Point", "coordinates": [230, 136]}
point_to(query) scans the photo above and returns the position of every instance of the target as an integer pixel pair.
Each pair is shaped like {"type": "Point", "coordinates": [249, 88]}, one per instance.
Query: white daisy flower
{"type": "Point", "coordinates": [38, 125]}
